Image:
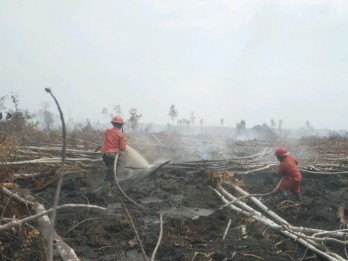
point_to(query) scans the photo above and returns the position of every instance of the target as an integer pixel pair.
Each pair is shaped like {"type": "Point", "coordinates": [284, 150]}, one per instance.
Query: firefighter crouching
{"type": "Point", "coordinates": [291, 175]}
{"type": "Point", "coordinates": [114, 145]}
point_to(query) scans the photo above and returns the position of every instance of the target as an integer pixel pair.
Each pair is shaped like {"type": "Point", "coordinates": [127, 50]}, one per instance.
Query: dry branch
{"type": "Point", "coordinates": [340, 216]}
{"type": "Point", "coordinates": [43, 174]}
{"type": "Point", "coordinates": [246, 195]}
{"type": "Point", "coordinates": [323, 172]}
{"type": "Point", "coordinates": [297, 237]}
{"type": "Point", "coordinates": [60, 180]}
{"type": "Point", "coordinates": [135, 231]}
{"type": "Point", "coordinates": [159, 239]}
{"type": "Point", "coordinates": [50, 161]}
{"type": "Point", "coordinates": [59, 149]}
{"type": "Point", "coordinates": [266, 151]}
{"type": "Point", "coordinates": [85, 141]}
{"type": "Point", "coordinates": [59, 246]}
{"type": "Point", "coordinates": [227, 228]}
{"type": "Point", "coordinates": [342, 233]}
{"type": "Point", "coordinates": [19, 222]}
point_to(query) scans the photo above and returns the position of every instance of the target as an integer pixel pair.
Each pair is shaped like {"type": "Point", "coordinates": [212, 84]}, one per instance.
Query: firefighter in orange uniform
{"type": "Point", "coordinates": [114, 146]}
{"type": "Point", "coordinates": [290, 172]}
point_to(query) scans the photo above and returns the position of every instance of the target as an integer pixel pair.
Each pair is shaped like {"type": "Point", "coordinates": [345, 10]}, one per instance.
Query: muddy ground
{"type": "Point", "coordinates": [193, 223]}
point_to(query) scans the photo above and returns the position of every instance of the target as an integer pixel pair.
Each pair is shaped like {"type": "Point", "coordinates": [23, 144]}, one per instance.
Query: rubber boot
{"type": "Point", "coordinates": [298, 197]}
{"type": "Point", "coordinates": [107, 188]}
{"type": "Point", "coordinates": [283, 194]}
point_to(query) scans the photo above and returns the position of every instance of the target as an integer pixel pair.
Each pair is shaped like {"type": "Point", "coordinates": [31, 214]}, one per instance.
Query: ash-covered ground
{"type": "Point", "coordinates": [193, 222]}
{"type": "Point", "coordinates": [195, 226]}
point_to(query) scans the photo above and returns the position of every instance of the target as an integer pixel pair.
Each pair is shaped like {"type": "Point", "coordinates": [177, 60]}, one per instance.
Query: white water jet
{"type": "Point", "coordinates": [134, 159]}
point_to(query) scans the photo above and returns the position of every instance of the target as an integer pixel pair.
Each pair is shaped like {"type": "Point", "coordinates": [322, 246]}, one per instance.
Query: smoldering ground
{"type": "Point", "coordinates": [193, 221]}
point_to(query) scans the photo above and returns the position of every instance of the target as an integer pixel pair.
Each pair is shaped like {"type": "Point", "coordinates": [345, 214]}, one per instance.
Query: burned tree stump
{"type": "Point", "coordinates": [341, 217]}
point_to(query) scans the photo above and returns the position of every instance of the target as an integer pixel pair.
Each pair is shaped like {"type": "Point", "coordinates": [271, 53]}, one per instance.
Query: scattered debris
{"type": "Point", "coordinates": [182, 218]}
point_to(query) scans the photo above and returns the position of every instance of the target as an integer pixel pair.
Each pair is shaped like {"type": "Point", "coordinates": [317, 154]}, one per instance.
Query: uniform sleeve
{"type": "Point", "coordinates": [122, 142]}
{"type": "Point", "coordinates": [282, 168]}
{"type": "Point", "coordinates": [104, 141]}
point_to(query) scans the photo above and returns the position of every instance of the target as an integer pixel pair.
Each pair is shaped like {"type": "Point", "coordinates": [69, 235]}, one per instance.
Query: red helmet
{"type": "Point", "coordinates": [281, 151]}
{"type": "Point", "coordinates": [117, 119]}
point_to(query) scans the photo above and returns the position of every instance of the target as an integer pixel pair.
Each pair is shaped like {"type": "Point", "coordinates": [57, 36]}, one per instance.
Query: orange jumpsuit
{"type": "Point", "coordinates": [292, 176]}
{"type": "Point", "coordinates": [114, 142]}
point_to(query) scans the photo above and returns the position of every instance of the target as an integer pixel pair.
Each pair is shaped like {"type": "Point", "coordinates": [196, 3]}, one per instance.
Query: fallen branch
{"type": "Point", "coordinates": [59, 247]}
{"type": "Point", "coordinates": [252, 255]}
{"type": "Point", "coordinates": [259, 204]}
{"type": "Point", "coordinates": [258, 169]}
{"type": "Point", "coordinates": [43, 174]}
{"type": "Point", "coordinates": [227, 228]}
{"type": "Point", "coordinates": [158, 167]}
{"type": "Point", "coordinates": [54, 180]}
{"type": "Point", "coordinates": [202, 254]}
{"type": "Point", "coordinates": [323, 172]}
{"type": "Point", "coordinates": [135, 231]}
{"type": "Point", "coordinates": [246, 195]}
{"type": "Point", "coordinates": [159, 239]}
{"type": "Point", "coordinates": [263, 153]}
{"type": "Point", "coordinates": [58, 149]}
{"type": "Point", "coordinates": [50, 161]}
{"type": "Point", "coordinates": [264, 220]}
{"type": "Point", "coordinates": [19, 222]}
{"type": "Point", "coordinates": [340, 216]}
{"type": "Point", "coordinates": [316, 232]}
{"type": "Point", "coordinates": [93, 143]}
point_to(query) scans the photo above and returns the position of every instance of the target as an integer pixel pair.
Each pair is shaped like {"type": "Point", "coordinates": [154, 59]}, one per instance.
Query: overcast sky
{"type": "Point", "coordinates": [254, 60]}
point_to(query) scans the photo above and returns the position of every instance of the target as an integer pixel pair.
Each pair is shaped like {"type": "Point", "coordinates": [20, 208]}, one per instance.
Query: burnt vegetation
{"type": "Point", "coordinates": [207, 195]}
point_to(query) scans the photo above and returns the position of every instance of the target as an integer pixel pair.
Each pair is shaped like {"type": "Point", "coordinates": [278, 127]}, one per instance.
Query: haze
{"type": "Point", "coordinates": [250, 60]}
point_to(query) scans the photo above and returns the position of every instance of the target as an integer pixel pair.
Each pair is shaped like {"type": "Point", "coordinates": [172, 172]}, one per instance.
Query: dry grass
{"type": "Point", "coordinates": [219, 177]}
{"type": "Point", "coordinates": [7, 147]}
